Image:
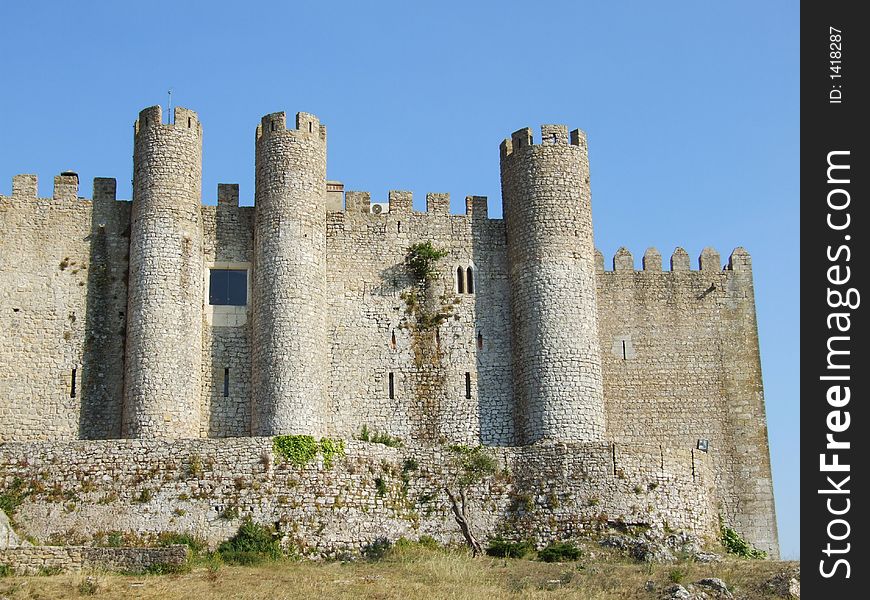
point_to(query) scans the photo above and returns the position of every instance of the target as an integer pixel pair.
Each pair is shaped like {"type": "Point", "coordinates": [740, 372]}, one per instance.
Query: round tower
{"type": "Point", "coordinates": [551, 261]}
{"type": "Point", "coordinates": [165, 288]}
{"type": "Point", "coordinates": [289, 327]}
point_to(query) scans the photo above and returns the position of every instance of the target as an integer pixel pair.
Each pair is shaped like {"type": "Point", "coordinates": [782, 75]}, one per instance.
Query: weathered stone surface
{"type": "Point", "coordinates": [35, 560]}
{"type": "Point", "coordinates": [8, 537]}
{"type": "Point", "coordinates": [80, 491]}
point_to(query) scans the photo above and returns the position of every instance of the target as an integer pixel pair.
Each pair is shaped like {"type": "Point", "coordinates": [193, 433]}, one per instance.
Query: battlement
{"type": "Point", "coordinates": [228, 195]}
{"type": "Point", "coordinates": [152, 116]}
{"type": "Point", "coordinates": [307, 125]}
{"type": "Point", "coordinates": [551, 135]}
{"type": "Point", "coordinates": [400, 202]}
{"type": "Point", "coordinates": [708, 261]}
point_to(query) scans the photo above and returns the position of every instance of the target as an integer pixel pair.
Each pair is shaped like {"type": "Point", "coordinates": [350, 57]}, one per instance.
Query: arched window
{"type": "Point", "coordinates": [460, 280]}
{"type": "Point", "coordinates": [470, 283]}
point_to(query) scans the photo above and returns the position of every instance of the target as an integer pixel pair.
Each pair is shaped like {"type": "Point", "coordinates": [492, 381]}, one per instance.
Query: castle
{"type": "Point", "coordinates": [165, 321]}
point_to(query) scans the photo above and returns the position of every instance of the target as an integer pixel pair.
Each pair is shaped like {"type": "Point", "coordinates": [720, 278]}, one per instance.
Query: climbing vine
{"type": "Point", "coordinates": [300, 449]}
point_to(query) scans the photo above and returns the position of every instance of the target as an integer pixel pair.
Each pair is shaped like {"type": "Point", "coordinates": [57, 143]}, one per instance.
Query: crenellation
{"type": "Point", "coordinates": [554, 134]}
{"type": "Point", "coordinates": [105, 190]}
{"type": "Point", "coordinates": [680, 260]}
{"type": "Point", "coordinates": [66, 187]}
{"type": "Point", "coordinates": [25, 186]}
{"type": "Point", "coordinates": [228, 195]}
{"type": "Point", "coordinates": [709, 260]}
{"type": "Point", "coordinates": [623, 261]}
{"type": "Point", "coordinates": [477, 207]}
{"type": "Point", "coordinates": [438, 204]}
{"type": "Point", "coordinates": [584, 382]}
{"type": "Point", "coordinates": [401, 202]}
{"type": "Point", "coordinates": [652, 260]}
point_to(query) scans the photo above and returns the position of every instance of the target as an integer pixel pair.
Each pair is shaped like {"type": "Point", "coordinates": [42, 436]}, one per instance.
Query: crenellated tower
{"type": "Point", "coordinates": [551, 270]}
{"type": "Point", "coordinates": [289, 342]}
{"type": "Point", "coordinates": [165, 290]}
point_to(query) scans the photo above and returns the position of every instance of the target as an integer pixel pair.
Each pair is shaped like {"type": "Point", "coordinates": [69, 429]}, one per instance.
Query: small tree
{"type": "Point", "coordinates": [469, 466]}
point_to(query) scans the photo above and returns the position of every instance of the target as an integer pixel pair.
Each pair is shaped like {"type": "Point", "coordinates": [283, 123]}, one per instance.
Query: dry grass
{"type": "Point", "coordinates": [403, 575]}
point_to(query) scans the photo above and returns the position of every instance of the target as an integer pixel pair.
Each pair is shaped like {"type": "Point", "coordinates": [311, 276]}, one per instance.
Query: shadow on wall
{"type": "Point", "coordinates": [106, 324]}
{"type": "Point", "coordinates": [494, 379]}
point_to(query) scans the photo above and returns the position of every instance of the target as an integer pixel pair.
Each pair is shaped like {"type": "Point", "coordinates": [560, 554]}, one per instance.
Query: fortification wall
{"type": "Point", "coordinates": [449, 382]}
{"type": "Point", "coordinates": [36, 560]}
{"type": "Point", "coordinates": [227, 240]}
{"type": "Point", "coordinates": [680, 357]}
{"type": "Point", "coordinates": [80, 491]}
{"type": "Point", "coordinates": [63, 271]}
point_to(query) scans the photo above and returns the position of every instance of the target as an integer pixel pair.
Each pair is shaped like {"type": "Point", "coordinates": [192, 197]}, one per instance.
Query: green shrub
{"type": "Point", "coordinates": [380, 486]}
{"type": "Point", "coordinates": [420, 261]}
{"type": "Point", "coordinates": [426, 542]}
{"type": "Point", "coordinates": [501, 548]}
{"type": "Point", "coordinates": [252, 544]}
{"type": "Point", "coordinates": [167, 568]}
{"type": "Point", "coordinates": [6, 571]}
{"type": "Point", "coordinates": [735, 544]}
{"type": "Point", "coordinates": [560, 552]}
{"type": "Point", "coordinates": [300, 449]}
{"type": "Point", "coordinates": [473, 464]}
{"type": "Point", "coordinates": [676, 576]}
{"type": "Point", "coordinates": [13, 495]}
{"type": "Point", "coordinates": [171, 538]}
{"type": "Point", "coordinates": [379, 437]}
{"type": "Point", "coordinates": [377, 549]}
{"type": "Point", "coordinates": [330, 448]}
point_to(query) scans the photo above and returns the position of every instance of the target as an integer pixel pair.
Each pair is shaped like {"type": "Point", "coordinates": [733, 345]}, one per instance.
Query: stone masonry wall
{"type": "Point", "coordinates": [680, 356]}
{"type": "Point", "coordinates": [165, 291]}
{"type": "Point", "coordinates": [372, 336]}
{"type": "Point", "coordinates": [62, 311]}
{"type": "Point", "coordinates": [551, 260]}
{"type": "Point", "coordinates": [33, 560]}
{"type": "Point", "coordinates": [289, 318]}
{"type": "Point", "coordinates": [77, 492]}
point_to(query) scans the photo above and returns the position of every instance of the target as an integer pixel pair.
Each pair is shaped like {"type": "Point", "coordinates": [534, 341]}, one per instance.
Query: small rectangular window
{"type": "Point", "coordinates": [467, 386]}
{"type": "Point", "coordinates": [392, 389]}
{"type": "Point", "coordinates": [228, 287]}
{"type": "Point", "coordinates": [226, 381]}
{"type": "Point", "coordinates": [72, 388]}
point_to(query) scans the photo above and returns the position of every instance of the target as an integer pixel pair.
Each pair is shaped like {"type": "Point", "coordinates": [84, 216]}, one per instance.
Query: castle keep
{"type": "Point", "coordinates": [154, 324]}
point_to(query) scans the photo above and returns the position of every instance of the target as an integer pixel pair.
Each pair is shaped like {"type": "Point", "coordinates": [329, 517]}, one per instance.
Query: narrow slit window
{"type": "Point", "coordinates": [392, 386]}
{"type": "Point", "coordinates": [273, 125]}
{"type": "Point", "coordinates": [189, 122]}
{"type": "Point", "coordinates": [479, 341]}
{"type": "Point", "coordinates": [624, 353]}
{"type": "Point", "coordinates": [398, 227]}
{"type": "Point", "coordinates": [393, 340]}
{"type": "Point", "coordinates": [470, 280]}
{"type": "Point", "coordinates": [310, 127]}
{"type": "Point", "coordinates": [72, 387]}
{"type": "Point", "coordinates": [438, 337]}
{"type": "Point", "coordinates": [467, 385]}
{"type": "Point", "coordinates": [460, 280]}
{"type": "Point", "coordinates": [226, 381]}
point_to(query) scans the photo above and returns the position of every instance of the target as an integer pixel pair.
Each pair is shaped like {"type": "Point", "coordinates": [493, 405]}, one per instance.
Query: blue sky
{"type": "Point", "coordinates": [691, 111]}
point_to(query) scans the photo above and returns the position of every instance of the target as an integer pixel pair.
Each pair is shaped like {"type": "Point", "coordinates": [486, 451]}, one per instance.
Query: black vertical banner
{"type": "Point", "coordinates": [834, 228]}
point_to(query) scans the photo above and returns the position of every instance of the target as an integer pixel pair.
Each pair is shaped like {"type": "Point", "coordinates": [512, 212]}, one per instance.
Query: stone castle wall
{"type": "Point", "coordinates": [678, 349]}
{"type": "Point", "coordinates": [681, 364]}
{"type": "Point", "coordinates": [37, 560]}
{"type": "Point", "coordinates": [80, 492]}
